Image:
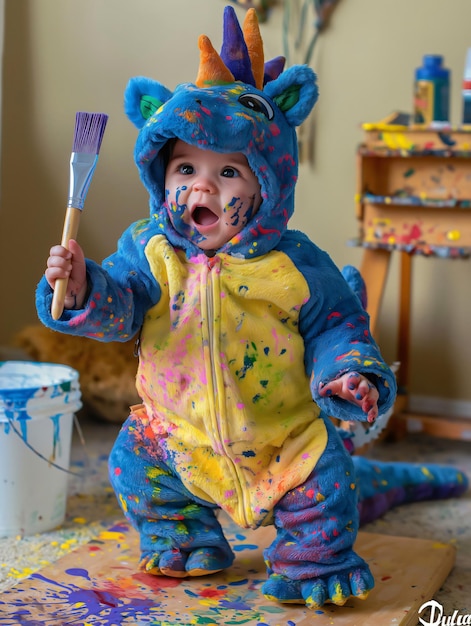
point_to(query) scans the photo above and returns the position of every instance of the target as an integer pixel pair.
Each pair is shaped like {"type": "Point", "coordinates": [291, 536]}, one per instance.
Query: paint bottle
{"type": "Point", "coordinates": [432, 91]}
{"type": "Point", "coordinates": [466, 89]}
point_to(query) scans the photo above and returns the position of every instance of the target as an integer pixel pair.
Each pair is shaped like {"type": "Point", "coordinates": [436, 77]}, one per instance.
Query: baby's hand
{"type": "Point", "coordinates": [70, 264]}
{"type": "Point", "coordinates": [355, 388]}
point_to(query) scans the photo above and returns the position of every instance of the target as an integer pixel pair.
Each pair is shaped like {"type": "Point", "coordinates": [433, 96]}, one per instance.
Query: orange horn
{"type": "Point", "coordinates": [212, 70]}
{"type": "Point", "coordinates": [253, 40]}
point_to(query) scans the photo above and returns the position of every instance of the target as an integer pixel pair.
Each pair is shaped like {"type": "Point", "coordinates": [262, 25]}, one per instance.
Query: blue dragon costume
{"type": "Point", "coordinates": [234, 345]}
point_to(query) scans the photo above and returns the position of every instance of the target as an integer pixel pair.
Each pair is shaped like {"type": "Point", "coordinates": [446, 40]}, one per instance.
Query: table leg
{"type": "Point", "coordinates": [374, 269]}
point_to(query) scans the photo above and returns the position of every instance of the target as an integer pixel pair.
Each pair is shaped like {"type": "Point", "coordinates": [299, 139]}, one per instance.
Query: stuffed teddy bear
{"type": "Point", "coordinates": [106, 370]}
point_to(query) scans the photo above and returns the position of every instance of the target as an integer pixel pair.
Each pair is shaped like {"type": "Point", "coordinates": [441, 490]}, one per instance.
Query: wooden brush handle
{"type": "Point", "coordinates": [70, 230]}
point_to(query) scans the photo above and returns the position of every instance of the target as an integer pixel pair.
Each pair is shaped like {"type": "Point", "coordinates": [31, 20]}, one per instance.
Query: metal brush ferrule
{"type": "Point", "coordinates": [82, 166]}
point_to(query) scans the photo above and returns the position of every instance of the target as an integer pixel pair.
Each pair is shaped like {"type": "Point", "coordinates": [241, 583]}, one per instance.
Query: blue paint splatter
{"type": "Point", "coordinates": [77, 571]}
{"type": "Point", "coordinates": [239, 606]}
{"type": "Point", "coordinates": [244, 546]}
{"type": "Point", "coordinates": [73, 603]}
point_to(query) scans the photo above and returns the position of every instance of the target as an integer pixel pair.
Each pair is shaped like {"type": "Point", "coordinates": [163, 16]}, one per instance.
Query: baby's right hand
{"type": "Point", "coordinates": [70, 264]}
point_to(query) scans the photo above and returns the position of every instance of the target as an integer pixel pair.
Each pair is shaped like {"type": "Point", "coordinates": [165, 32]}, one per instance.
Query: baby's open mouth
{"type": "Point", "coordinates": [204, 216]}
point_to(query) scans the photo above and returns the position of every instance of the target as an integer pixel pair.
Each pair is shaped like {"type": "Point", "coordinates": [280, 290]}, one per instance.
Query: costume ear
{"type": "Point", "coordinates": [142, 97]}
{"type": "Point", "coordinates": [295, 92]}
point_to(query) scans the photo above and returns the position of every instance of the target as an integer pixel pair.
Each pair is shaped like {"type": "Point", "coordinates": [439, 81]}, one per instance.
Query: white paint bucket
{"type": "Point", "coordinates": [37, 406]}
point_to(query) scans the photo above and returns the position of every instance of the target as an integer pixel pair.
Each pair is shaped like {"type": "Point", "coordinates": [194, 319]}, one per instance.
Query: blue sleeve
{"type": "Point", "coordinates": [335, 329]}
{"type": "Point", "coordinates": [121, 291]}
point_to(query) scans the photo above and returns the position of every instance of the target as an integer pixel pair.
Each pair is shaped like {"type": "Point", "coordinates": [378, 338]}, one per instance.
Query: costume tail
{"type": "Point", "coordinates": [384, 485]}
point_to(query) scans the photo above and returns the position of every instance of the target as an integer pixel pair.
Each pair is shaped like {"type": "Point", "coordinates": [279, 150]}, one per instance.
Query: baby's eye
{"type": "Point", "coordinates": [229, 172]}
{"type": "Point", "coordinates": [186, 168]}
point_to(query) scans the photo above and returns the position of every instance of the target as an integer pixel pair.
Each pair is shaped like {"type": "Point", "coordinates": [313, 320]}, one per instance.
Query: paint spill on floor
{"type": "Point", "coordinates": [99, 584]}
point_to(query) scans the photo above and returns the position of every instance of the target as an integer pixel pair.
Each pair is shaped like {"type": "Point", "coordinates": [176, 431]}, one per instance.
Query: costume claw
{"type": "Point", "coordinates": [150, 564]}
{"type": "Point", "coordinates": [205, 561]}
{"type": "Point", "coordinates": [178, 564]}
{"type": "Point", "coordinates": [315, 593]}
{"type": "Point", "coordinates": [172, 563]}
{"type": "Point", "coordinates": [339, 589]}
{"type": "Point", "coordinates": [282, 589]}
{"type": "Point", "coordinates": [361, 583]}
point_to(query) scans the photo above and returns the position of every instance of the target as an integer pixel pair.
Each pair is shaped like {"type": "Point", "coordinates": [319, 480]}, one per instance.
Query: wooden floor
{"type": "Point", "coordinates": [99, 584]}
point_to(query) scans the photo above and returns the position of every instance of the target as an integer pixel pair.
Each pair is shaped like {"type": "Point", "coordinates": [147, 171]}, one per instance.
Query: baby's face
{"type": "Point", "coordinates": [210, 196]}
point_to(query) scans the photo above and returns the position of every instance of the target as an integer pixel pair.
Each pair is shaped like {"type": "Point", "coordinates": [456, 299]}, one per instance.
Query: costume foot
{"type": "Point", "coordinates": [180, 564]}
{"type": "Point", "coordinates": [316, 592]}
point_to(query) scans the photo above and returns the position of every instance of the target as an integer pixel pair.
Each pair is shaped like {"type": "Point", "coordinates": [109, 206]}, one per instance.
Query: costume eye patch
{"type": "Point", "coordinates": [256, 103]}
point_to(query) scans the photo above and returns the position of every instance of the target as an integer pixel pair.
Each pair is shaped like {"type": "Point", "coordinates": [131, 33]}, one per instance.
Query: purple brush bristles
{"type": "Point", "coordinates": [89, 130]}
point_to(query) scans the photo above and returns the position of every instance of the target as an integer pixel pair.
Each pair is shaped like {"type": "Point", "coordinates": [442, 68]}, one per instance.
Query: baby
{"type": "Point", "coordinates": [249, 337]}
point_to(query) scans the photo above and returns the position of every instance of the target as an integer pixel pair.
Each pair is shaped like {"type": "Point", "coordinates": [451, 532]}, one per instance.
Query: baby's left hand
{"type": "Point", "coordinates": [355, 388]}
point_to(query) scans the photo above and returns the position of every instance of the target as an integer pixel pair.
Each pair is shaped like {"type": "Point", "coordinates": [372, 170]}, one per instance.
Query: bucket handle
{"type": "Point", "coordinates": [41, 456]}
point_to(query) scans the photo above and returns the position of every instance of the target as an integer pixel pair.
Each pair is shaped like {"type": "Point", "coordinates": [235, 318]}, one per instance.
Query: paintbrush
{"type": "Point", "coordinates": [88, 135]}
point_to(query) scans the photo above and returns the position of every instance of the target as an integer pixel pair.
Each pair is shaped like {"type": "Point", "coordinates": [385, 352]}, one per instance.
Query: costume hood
{"type": "Point", "coordinates": [238, 103]}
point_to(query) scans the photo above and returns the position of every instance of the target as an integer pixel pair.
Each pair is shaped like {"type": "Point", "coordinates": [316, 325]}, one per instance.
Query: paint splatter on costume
{"type": "Point", "coordinates": [234, 345]}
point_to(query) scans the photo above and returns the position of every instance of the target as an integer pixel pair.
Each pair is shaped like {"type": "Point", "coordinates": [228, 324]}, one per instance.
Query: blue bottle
{"type": "Point", "coordinates": [466, 89]}
{"type": "Point", "coordinates": [432, 91]}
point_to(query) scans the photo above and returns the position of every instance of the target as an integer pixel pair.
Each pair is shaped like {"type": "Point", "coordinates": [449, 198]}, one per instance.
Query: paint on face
{"type": "Point", "coordinates": [177, 211]}
{"type": "Point", "coordinates": [234, 209]}
{"type": "Point", "coordinates": [210, 196]}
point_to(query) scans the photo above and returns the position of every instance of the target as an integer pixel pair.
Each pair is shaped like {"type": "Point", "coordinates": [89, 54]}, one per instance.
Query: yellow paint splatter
{"type": "Point", "coordinates": [338, 597]}
{"type": "Point", "coordinates": [395, 141]}
{"type": "Point", "coordinates": [110, 535]}
{"type": "Point", "coordinates": [24, 573]}
{"type": "Point", "coordinates": [123, 502]}
{"type": "Point", "coordinates": [208, 602]}
{"type": "Point", "coordinates": [453, 235]}
{"type": "Point", "coordinates": [427, 472]}
{"type": "Point", "coordinates": [154, 472]}
{"type": "Point", "coordinates": [67, 545]}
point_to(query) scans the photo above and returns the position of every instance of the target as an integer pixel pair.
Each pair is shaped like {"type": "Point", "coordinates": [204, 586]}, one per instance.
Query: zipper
{"type": "Point", "coordinates": [211, 263]}
{"type": "Point", "coordinates": [137, 344]}
{"type": "Point", "coordinates": [210, 309]}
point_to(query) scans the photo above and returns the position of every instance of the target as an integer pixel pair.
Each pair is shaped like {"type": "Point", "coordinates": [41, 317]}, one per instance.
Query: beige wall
{"type": "Point", "coordinates": [62, 56]}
